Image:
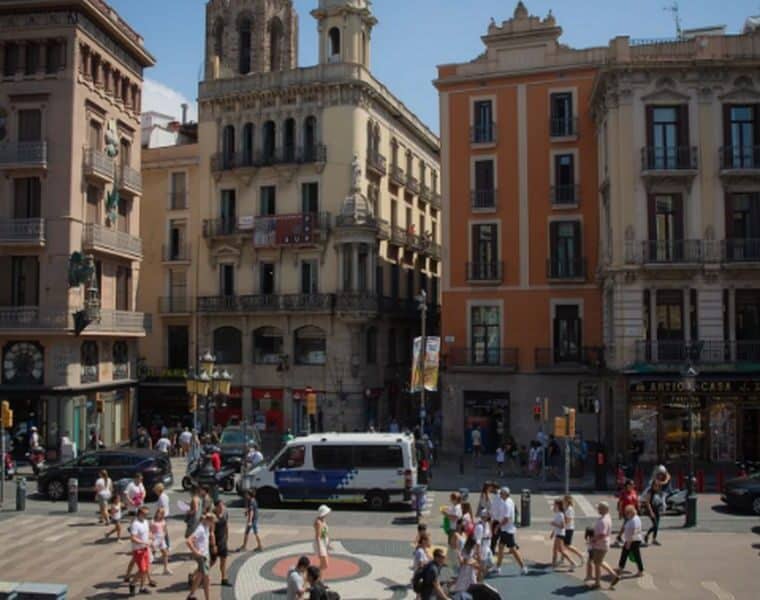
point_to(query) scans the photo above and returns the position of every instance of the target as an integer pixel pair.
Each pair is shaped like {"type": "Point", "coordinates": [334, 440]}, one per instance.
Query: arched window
{"type": "Point", "coordinates": [269, 141]}
{"type": "Point", "coordinates": [228, 146]}
{"type": "Point", "coordinates": [248, 132]}
{"type": "Point", "coordinates": [289, 140]}
{"type": "Point", "coordinates": [276, 33]}
{"type": "Point", "coordinates": [310, 138]}
{"type": "Point", "coordinates": [89, 361]}
{"type": "Point", "coordinates": [371, 346]}
{"type": "Point", "coordinates": [219, 39]}
{"type": "Point", "coordinates": [228, 345]}
{"type": "Point", "coordinates": [267, 346]}
{"type": "Point", "coordinates": [244, 65]}
{"type": "Point", "coordinates": [334, 39]}
{"type": "Point", "coordinates": [310, 346]}
{"type": "Point", "coordinates": [120, 360]}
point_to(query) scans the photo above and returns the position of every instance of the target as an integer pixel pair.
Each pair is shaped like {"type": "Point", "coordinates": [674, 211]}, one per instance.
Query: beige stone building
{"type": "Point", "coordinates": [678, 126]}
{"type": "Point", "coordinates": [70, 85]}
{"type": "Point", "coordinates": [318, 221]}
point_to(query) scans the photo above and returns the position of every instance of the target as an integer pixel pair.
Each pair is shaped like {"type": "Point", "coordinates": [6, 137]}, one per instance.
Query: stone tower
{"type": "Point", "coordinates": [250, 36]}
{"type": "Point", "coordinates": [345, 29]}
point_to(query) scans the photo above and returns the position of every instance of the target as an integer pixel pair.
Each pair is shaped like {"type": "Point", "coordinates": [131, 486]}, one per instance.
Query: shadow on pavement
{"type": "Point", "coordinates": [568, 591]}
{"type": "Point", "coordinates": [725, 510]}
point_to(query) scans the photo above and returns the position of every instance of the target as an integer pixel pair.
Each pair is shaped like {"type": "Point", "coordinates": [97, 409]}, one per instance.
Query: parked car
{"type": "Point", "coordinates": [743, 493]}
{"type": "Point", "coordinates": [235, 443]}
{"type": "Point", "coordinates": [154, 466]}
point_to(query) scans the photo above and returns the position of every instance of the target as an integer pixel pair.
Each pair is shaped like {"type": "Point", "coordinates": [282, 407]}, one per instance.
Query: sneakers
{"type": "Point", "coordinates": [226, 583]}
{"type": "Point", "coordinates": [656, 543]}
{"type": "Point", "coordinates": [614, 582]}
{"type": "Point", "coordinates": [524, 570]}
{"type": "Point", "coordinates": [167, 572]}
{"type": "Point", "coordinates": [132, 589]}
{"type": "Point", "coordinates": [498, 570]}
{"type": "Point", "coordinates": [145, 591]}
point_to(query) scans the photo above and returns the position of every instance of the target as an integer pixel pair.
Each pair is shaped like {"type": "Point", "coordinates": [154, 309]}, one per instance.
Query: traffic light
{"type": "Point", "coordinates": [192, 403]}
{"type": "Point", "coordinates": [537, 412]}
{"type": "Point", "coordinates": [7, 415]}
{"type": "Point", "coordinates": [560, 426]}
{"type": "Point", "coordinates": [99, 404]}
{"type": "Point", "coordinates": [311, 402]}
{"type": "Point", "coordinates": [571, 423]}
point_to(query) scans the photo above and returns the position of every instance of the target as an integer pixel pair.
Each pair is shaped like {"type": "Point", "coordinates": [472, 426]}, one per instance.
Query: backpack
{"type": "Point", "coordinates": [418, 579]}
{"type": "Point", "coordinates": [327, 594]}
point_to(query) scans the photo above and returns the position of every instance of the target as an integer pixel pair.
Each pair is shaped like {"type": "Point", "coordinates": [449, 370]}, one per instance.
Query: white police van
{"type": "Point", "coordinates": [376, 468]}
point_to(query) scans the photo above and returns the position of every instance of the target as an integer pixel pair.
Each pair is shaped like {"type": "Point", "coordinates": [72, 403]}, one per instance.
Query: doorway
{"type": "Point", "coordinates": [751, 434]}
{"type": "Point", "coordinates": [489, 412]}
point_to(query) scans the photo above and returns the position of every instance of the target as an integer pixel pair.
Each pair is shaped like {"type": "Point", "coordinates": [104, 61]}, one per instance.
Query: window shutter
{"type": "Point", "coordinates": [683, 126]}
{"type": "Point", "coordinates": [652, 201]}
{"type": "Point", "coordinates": [650, 125]}
{"type": "Point", "coordinates": [678, 217]}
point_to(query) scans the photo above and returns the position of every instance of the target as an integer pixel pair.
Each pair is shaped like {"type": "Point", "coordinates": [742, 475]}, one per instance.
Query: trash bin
{"type": "Point", "coordinates": [20, 493]}
{"type": "Point", "coordinates": [525, 508]}
{"type": "Point", "coordinates": [73, 495]}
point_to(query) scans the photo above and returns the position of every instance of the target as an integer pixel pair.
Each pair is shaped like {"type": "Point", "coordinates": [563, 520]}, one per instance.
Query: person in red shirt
{"type": "Point", "coordinates": [628, 497]}
{"type": "Point", "coordinates": [216, 460]}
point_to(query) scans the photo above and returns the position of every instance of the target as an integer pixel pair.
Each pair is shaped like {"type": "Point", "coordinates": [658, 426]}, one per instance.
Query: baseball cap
{"type": "Point", "coordinates": [504, 490]}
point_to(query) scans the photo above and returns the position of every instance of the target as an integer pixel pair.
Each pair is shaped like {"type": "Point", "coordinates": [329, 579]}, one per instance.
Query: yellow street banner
{"type": "Point", "coordinates": [431, 363]}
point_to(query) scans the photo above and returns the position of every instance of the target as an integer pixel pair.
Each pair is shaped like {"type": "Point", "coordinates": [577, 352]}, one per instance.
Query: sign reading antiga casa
{"type": "Point", "coordinates": [703, 387]}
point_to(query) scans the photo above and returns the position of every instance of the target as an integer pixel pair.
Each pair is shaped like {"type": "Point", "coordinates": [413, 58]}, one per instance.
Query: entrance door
{"type": "Point", "coordinates": [751, 434]}
{"type": "Point", "coordinates": [489, 412]}
{"type": "Point", "coordinates": [178, 346]}
{"type": "Point", "coordinates": [670, 325]}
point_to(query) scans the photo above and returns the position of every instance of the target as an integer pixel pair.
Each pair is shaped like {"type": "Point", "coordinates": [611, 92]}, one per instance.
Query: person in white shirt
{"type": "Point", "coordinates": [162, 502]}
{"type": "Point", "coordinates": [103, 493]}
{"type": "Point", "coordinates": [139, 534]}
{"type": "Point", "coordinates": [163, 444]}
{"type": "Point", "coordinates": [570, 528]}
{"type": "Point", "coordinates": [632, 547]}
{"type": "Point", "coordinates": [295, 586]}
{"type": "Point", "coordinates": [199, 544]}
{"type": "Point", "coordinates": [185, 440]}
{"type": "Point", "coordinates": [482, 536]}
{"type": "Point", "coordinates": [507, 531]}
{"type": "Point", "coordinates": [500, 456]}
{"type": "Point", "coordinates": [422, 553]}
{"type": "Point", "coordinates": [255, 457]}
{"type": "Point", "coordinates": [558, 535]}
{"type": "Point", "coordinates": [34, 439]}
{"type": "Point", "coordinates": [135, 493]}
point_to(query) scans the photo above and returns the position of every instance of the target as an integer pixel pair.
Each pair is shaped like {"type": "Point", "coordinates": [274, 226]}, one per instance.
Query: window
{"type": "Point", "coordinates": [670, 325]}
{"type": "Point", "coordinates": [668, 137]}
{"type": "Point", "coordinates": [178, 191]}
{"type": "Point", "coordinates": [333, 457]}
{"type": "Point", "coordinates": [244, 65]}
{"type": "Point", "coordinates": [748, 325]}
{"type": "Point", "coordinates": [567, 333]}
{"type": "Point", "coordinates": [218, 39]}
{"type": "Point", "coordinates": [485, 335]}
{"type": "Point", "coordinates": [743, 226]}
{"type": "Point", "coordinates": [371, 350]}
{"type": "Point", "coordinates": [95, 68]}
{"type": "Point", "coordinates": [740, 130]}
{"type": "Point", "coordinates": [176, 250]}
{"type": "Point", "coordinates": [562, 121]}
{"type": "Point", "coordinates": [485, 252]}
{"type": "Point", "coordinates": [89, 361]}
{"type": "Point", "coordinates": [248, 137]}
{"type": "Point", "coordinates": [99, 278]}
{"type": "Point", "coordinates": [310, 138]}
{"type": "Point", "coordinates": [267, 346]}
{"type": "Point", "coordinates": [309, 277]}
{"type": "Point", "coordinates": [94, 135]}
{"type": "Point", "coordinates": [395, 281]}
{"type": "Point", "coordinates": [178, 286]}
{"type": "Point", "coordinates": [269, 142]}
{"type": "Point", "coordinates": [123, 277]}
{"type": "Point", "coordinates": [22, 272]}
{"type": "Point", "coordinates": [120, 357]}
{"type": "Point", "coordinates": [292, 458]}
{"type": "Point", "coordinates": [334, 43]}
{"type": "Point", "coordinates": [484, 196]}
{"type": "Point", "coordinates": [26, 198]}
{"type": "Point", "coordinates": [410, 284]}
{"type": "Point", "coordinates": [483, 127]}
{"type": "Point", "coordinates": [276, 35]}
{"type": "Point", "coordinates": [227, 280]}
{"type": "Point", "coordinates": [266, 278]}
{"type": "Point", "coordinates": [289, 149]}
{"type": "Point", "coordinates": [124, 209]}
{"type": "Point", "coordinates": [565, 260]}
{"type": "Point", "coordinates": [54, 57]}
{"type": "Point", "coordinates": [310, 346]}
{"type": "Point", "coordinates": [268, 196]}
{"type": "Point", "coordinates": [310, 197]}
{"type": "Point", "coordinates": [378, 457]}
{"type": "Point", "coordinates": [178, 346]}
{"type": "Point", "coordinates": [392, 352]}
{"type": "Point", "coordinates": [564, 179]}
{"type": "Point", "coordinates": [228, 147]}
{"type": "Point", "coordinates": [30, 125]}
{"type": "Point", "coordinates": [228, 347]}
{"type": "Point", "coordinates": [10, 62]}
{"type": "Point", "coordinates": [227, 212]}
{"type": "Point", "coordinates": [665, 228]}
{"type": "Point", "coordinates": [32, 62]}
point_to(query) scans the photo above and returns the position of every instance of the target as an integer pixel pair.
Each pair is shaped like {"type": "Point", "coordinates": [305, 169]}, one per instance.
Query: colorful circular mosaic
{"type": "Point", "coordinates": [341, 567]}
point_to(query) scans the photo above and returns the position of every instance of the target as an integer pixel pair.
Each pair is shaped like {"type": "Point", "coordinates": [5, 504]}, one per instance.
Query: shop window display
{"type": "Point", "coordinates": [643, 423]}
{"type": "Point", "coordinates": [723, 432]}
{"type": "Point", "coordinates": [675, 424]}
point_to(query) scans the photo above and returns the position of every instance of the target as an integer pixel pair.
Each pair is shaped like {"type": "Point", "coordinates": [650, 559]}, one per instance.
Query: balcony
{"type": "Point", "coordinates": [23, 155]}
{"type": "Point", "coordinates": [359, 305]}
{"type": "Point", "coordinates": [669, 252]}
{"type": "Point", "coordinates": [435, 201]}
{"type": "Point", "coordinates": [377, 163]}
{"type": "Point", "coordinates": [501, 359]}
{"type": "Point", "coordinates": [565, 195]}
{"type": "Point", "coordinates": [226, 226]}
{"type": "Point", "coordinates": [162, 374]}
{"type": "Point", "coordinates": [130, 181]}
{"type": "Point", "coordinates": [381, 227]}
{"type": "Point", "coordinates": [286, 155]}
{"type": "Point", "coordinates": [412, 184]}
{"type": "Point", "coordinates": [571, 359]}
{"type": "Point", "coordinates": [176, 252]}
{"type": "Point", "coordinates": [668, 162]}
{"type": "Point", "coordinates": [98, 166]}
{"type": "Point", "coordinates": [267, 303]}
{"type": "Point", "coordinates": [33, 317]}
{"type": "Point", "coordinates": [291, 231]}
{"type": "Point", "coordinates": [741, 161]}
{"type": "Point", "coordinates": [703, 352]}
{"type": "Point", "coordinates": [405, 308]}
{"type": "Point", "coordinates": [121, 322]}
{"type": "Point", "coordinates": [100, 238]}
{"type": "Point", "coordinates": [397, 176]}
{"type": "Point", "coordinates": [170, 305]}
{"type": "Point", "coordinates": [741, 250]}
{"type": "Point", "coordinates": [485, 272]}
{"type": "Point", "coordinates": [566, 269]}
{"type": "Point", "coordinates": [319, 303]}
{"type": "Point", "coordinates": [398, 236]}
{"type": "Point", "coordinates": [563, 127]}
{"type": "Point", "coordinates": [483, 199]}
{"type": "Point", "coordinates": [433, 249]}
{"type": "Point", "coordinates": [426, 194]}
{"type": "Point", "coordinates": [22, 232]}
{"type": "Point", "coordinates": [483, 133]}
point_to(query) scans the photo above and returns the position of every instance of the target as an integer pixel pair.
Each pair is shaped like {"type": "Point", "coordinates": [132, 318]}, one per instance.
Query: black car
{"type": "Point", "coordinates": [235, 443]}
{"type": "Point", "coordinates": [743, 493]}
{"type": "Point", "coordinates": [154, 466]}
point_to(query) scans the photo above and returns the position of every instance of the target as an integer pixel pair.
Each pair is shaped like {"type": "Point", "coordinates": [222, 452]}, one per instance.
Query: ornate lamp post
{"type": "Point", "coordinates": [206, 385]}
{"type": "Point", "coordinates": [690, 385]}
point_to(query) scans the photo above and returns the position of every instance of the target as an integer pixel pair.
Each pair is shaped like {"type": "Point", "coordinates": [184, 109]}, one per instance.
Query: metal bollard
{"type": "Point", "coordinates": [20, 494]}
{"type": "Point", "coordinates": [73, 495]}
{"type": "Point", "coordinates": [525, 508]}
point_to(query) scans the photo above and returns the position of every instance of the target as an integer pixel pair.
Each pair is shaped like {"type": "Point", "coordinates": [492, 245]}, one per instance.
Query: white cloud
{"type": "Point", "coordinates": [165, 100]}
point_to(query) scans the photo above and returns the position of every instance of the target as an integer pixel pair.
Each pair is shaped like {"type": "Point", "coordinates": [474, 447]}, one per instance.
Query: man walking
{"type": "Point", "coordinates": [296, 588]}
{"type": "Point", "coordinates": [139, 534]}
{"type": "Point", "coordinates": [477, 442]}
{"type": "Point", "coordinates": [431, 588]}
{"type": "Point", "coordinates": [504, 507]}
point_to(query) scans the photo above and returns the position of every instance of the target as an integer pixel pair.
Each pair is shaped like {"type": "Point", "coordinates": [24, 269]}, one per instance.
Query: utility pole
{"type": "Point", "coordinates": [422, 299]}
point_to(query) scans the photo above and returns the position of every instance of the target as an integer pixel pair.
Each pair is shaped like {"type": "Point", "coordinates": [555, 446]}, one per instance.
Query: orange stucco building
{"type": "Point", "coordinates": [521, 309]}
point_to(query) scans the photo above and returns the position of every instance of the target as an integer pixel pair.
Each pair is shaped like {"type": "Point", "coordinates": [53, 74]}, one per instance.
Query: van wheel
{"type": "Point", "coordinates": [377, 500]}
{"type": "Point", "coordinates": [56, 490]}
{"type": "Point", "coordinates": [267, 497]}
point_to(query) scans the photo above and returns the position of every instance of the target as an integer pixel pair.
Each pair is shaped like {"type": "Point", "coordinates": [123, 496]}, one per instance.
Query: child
{"type": "Point", "coordinates": [158, 533]}
{"type": "Point", "coordinates": [588, 536]}
{"type": "Point", "coordinates": [451, 515]}
{"type": "Point", "coordinates": [483, 536]}
{"type": "Point", "coordinates": [421, 530]}
{"type": "Point", "coordinates": [114, 512]}
{"type": "Point", "coordinates": [500, 455]}
{"type": "Point", "coordinates": [251, 521]}
{"type": "Point", "coordinates": [422, 553]}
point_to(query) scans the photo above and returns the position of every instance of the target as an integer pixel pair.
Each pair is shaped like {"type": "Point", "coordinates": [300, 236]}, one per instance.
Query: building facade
{"type": "Point", "coordinates": [69, 217]}
{"type": "Point", "coordinates": [318, 222]}
{"type": "Point", "coordinates": [677, 124]}
{"type": "Point", "coordinates": [521, 307]}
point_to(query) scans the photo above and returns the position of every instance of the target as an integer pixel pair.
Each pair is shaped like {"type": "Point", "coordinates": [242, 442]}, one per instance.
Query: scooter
{"type": "Point", "coordinates": [675, 501]}
{"type": "Point", "coordinates": [10, 466]}
{"type": "Point", "coordinates": [200, 472]}
{"type": "Point", "coordinates": [36, 457]}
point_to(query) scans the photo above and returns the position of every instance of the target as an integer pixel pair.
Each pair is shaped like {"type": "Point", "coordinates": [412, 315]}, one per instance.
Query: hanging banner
{"type": "Point", "coordinates": [431, 363]}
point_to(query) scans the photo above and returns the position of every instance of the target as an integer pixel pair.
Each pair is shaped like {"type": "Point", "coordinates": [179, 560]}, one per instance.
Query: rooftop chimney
{"type": "Point", "coordinates": [184, 113]}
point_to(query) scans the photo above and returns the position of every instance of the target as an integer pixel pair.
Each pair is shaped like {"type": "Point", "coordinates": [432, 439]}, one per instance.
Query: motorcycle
{"type": "Point", "coordinates": [200, 472]}
{"type": "Point", "coordinates": [36, 457]}
{"type": "Point", "coordinates": [10, 466]}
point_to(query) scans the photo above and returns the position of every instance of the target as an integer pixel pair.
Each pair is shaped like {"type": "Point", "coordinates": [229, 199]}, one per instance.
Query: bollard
{"type": "Point", "coordinates": [525, 508]}
{"type": "Point", "coordinates": [720, 477]}
{"type": "Point", "coordinates": [700, 481]}
{"type": "Point", "coordinates": [73, 494]}
{"type": "Point", "coordinates": [20, 494]}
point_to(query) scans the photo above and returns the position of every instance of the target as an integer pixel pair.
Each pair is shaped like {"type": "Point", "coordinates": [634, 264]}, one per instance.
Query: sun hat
{"type": "Point", "coordinates": [323, 511]}
{"type": "Point", "coordinates": [504, 490]}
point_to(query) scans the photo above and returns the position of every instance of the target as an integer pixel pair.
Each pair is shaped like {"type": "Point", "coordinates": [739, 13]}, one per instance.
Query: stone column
{"type": "Point", "coordinates": [42, 67]}
{"type": "Point", "coordinates": [732, 322]}
{"type": "Point", "coordinates": [355, 267]}
{"type": "Point", "coordinates": [686, 320]}
{"type": "Point", "coordinates": [653, 322]}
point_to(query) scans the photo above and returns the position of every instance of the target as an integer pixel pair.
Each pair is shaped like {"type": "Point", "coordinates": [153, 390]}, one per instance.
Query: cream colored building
{"type": "Point", "coordinates": [318, 220]}
{"type": "Point", "coordinates": [70, 85]}
{"type": "Point", "coordinates": [679, 159]}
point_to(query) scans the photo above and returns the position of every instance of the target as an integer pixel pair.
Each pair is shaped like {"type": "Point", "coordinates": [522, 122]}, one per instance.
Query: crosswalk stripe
{"type": "Point", "coordinates": [585, 505]}
{"type": "Point", "coordinates": [720, 593]}
{"type": "Point", "coordinates": [646, 582]}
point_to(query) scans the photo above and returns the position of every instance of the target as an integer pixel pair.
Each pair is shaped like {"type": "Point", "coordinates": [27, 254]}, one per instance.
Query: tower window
{"type": "Point", "coordinates": [218, 39]}
{"type": "Point", "coordinates": [245, 47]}
{"type": "Point", "coordinates": [276, 33]}
{"type": "Point", "coordinates": [334, 36]}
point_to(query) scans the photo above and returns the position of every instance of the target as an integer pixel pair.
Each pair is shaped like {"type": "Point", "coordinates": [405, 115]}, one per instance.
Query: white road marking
{"type": "Point", "coordinates": [677, 584]}
{"type": "Point", "coordinates": [585, 505]}
{"type": "Point", "coordinates": [646, 582]}
{"type": "Point", "coordinates": [720, 593]}
{"type": "Point", "coordinates": [54, 538]}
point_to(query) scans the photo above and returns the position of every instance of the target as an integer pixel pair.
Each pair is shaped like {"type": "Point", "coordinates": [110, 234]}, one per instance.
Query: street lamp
{"type": "Point", "coordinates": [422, 307]}
{"type": "Point", "coordinates": [690, 386]}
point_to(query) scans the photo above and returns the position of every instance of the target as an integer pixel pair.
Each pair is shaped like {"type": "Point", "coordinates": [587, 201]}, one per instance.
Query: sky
{"type": "Point", "coordinates": [411, 38]}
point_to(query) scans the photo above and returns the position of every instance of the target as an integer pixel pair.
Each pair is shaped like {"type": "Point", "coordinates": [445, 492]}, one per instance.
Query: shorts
{"type": "Point", "coordinates": [203, 565]}
{"type": "Point", "coordinates": [103, 501]}
{"type": "Point", "coordinates": [569, 537]}
{"type": "Point", "coordinates": [254, 527]}
{"type": "Point", "coordinates": [597, 556]}
{"type": "Point", "coordinates": [142, 559]}
{"type": "Point", "coordinates": [508, 540]}
{"type": "Point", "coordinates": [221, 551]}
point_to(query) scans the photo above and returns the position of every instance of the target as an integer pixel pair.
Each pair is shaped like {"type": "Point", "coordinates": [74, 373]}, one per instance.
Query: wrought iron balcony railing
{"type": "Point", "coordinates": [22, 231]}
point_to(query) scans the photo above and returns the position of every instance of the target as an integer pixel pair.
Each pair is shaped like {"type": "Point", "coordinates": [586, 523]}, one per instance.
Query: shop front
{"type": "Point", "coordinates": [489, 413]}
{"type": "Point", "coordinates": [725, 413]}
{"type": "Point", "coordinates": [268, 409]}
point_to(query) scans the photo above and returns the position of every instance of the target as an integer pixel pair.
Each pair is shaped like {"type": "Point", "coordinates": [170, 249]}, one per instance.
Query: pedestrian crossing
{"type": "Point", "coordinates": [583, 508]}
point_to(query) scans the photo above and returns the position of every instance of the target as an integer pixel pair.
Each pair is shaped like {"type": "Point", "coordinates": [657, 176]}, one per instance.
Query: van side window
{"type": "Point", "coordinates": [292, 458]}
{"type": "Point", "coordinates": [332, 457]}
{"type": "Point", "coordinates": [379, 457]}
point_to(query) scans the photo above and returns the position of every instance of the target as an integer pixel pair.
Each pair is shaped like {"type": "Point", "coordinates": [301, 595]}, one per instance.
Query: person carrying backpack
{"type": "Point", "coordinates": [426, 583]}
{"type": "Point", "coordinates": [317, 589]}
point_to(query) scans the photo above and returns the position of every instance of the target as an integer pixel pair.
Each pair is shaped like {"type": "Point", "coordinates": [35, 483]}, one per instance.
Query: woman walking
{"type": "Point", "coordinates": [321, 536]}
{"type": "Point", "coordinates": [422, 553]}
{"type": "Point", "coordinates": [220, 540]}
{"type": "Point", "coordinates": [103, 494]}
{"type": "Point", "coordinates": [158, 532]}
{"type": "Point", "coordinates": [600, 544]}
{"type": "Point", "coordinates": [114, 512]}
{"type": "Point", "coordinates": [193, 513]}
{"type": "Point", "coordinates": [558, 535]}
{"type": "Point", "coordinates": [631, 544]}
{"type": "Point", "coordinates": [162, 502]}
{"type": "Point", "coordinates": [653, 502]}
{"type": "Point", "coordinates": [570, 527]}
{"type": "Point", "coordinates": [469, 565]}
{"type": "Point", "coordinates": [251, 522]}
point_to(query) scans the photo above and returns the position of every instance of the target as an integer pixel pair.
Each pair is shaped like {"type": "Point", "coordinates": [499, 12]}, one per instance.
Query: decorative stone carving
{"type": "Point", "coordinates": [356, 175]}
